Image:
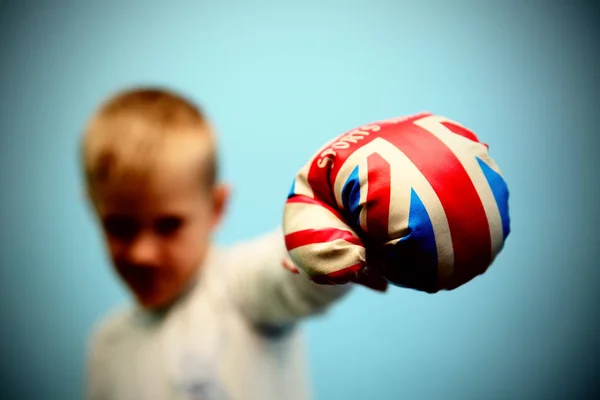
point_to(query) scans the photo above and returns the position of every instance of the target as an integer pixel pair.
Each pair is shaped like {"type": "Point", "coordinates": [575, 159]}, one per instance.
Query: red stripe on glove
{"type": "Point", "coordinates": [312, 236]}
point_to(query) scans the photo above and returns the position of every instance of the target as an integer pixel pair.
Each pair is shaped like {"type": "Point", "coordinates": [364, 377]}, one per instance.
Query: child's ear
{"type": "Point", "coordinates": [221, 195]}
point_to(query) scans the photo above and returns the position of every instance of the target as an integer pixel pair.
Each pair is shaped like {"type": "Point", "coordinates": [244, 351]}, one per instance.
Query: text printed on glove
{"type": "Point", "coordinates": [328, 155]}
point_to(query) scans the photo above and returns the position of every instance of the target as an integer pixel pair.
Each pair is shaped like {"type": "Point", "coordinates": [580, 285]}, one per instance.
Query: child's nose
{"type": "Point", "coordinates": [144, 251]}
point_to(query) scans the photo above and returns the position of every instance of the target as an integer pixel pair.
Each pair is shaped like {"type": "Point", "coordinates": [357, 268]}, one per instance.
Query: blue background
{"type": "Point", "coordinates": [278, 79]}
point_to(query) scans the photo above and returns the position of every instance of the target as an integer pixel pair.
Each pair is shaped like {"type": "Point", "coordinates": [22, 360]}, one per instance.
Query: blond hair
{"type": "Point", "coordinates": [133, 133]}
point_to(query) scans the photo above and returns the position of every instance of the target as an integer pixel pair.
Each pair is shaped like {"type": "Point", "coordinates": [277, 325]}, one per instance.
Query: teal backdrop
{"type": "Point", "coordinates": [279, 79]}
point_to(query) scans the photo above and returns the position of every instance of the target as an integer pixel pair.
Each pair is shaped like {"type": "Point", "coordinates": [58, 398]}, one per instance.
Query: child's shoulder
{"type": "Point", "coordinates": [112, 325]}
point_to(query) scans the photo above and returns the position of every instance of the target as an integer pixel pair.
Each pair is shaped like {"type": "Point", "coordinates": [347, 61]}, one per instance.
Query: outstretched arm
{"type": "Point", "coordinates": [272, 294]}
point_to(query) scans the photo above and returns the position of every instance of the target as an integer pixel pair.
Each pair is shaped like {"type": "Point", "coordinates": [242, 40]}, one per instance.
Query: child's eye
{"type": "Point", "coordinates": [120, 227]}
{"type": "Point", "coordinates": [168, 225]}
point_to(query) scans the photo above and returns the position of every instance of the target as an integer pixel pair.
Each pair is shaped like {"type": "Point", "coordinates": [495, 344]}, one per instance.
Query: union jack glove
{"type": "Point", "coordinates": [416, 200]}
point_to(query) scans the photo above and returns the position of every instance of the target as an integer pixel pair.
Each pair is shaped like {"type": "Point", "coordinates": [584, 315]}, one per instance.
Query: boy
{"type": "Point", "coordinates": [207, 323]}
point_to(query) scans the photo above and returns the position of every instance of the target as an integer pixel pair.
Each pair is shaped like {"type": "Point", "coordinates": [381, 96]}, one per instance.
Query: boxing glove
{"type": "Point", "coordinates": [420, 194]}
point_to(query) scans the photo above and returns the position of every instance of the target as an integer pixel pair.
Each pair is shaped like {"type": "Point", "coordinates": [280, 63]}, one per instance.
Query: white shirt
{"type": "Point", "coordinates": [231, 337]}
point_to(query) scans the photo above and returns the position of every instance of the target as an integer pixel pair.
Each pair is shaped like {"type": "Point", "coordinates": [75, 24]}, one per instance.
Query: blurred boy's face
{"type": "Point", "coordinates": [158, 233]}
